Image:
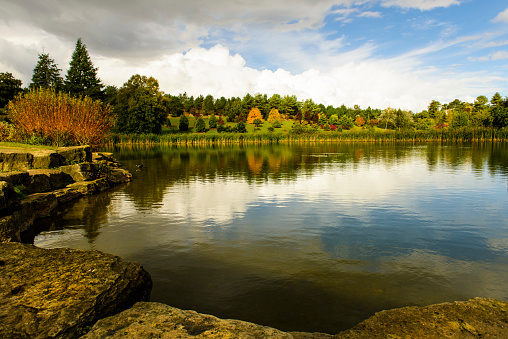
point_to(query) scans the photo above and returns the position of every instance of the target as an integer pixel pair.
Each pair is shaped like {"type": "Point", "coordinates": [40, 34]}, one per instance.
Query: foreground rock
{"type": "Point", "coordinates": [475, 318]}
{"type": "Point", "coordinates": [59, 293]}
{"type": "Point", "coordinates": [154, 320]}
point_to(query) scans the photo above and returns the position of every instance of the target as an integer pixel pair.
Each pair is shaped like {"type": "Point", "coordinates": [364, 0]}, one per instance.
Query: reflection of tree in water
{"type": "Point", "coordinates": [89, 213]}
{"type": "Point", "coordinates": [165, 166]}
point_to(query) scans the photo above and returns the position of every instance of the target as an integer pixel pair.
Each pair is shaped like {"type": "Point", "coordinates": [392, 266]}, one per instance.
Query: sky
{"type": "Point", "coordinates": [377, 53]}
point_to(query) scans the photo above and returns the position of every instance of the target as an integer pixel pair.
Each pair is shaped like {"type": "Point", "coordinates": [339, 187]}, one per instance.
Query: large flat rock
{"type": "Point", "coordinates": [475, 318]}
{"type": "Point", "coordinates": [59, 293]}
{"type": "Point", "coordinates": [25, 158]}
{"type": "Point", "coordinates": [155, 320]}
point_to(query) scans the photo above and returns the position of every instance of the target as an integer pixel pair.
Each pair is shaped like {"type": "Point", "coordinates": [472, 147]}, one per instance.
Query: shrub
{"type": "Point", "coordinates": [59, 119]}
{"type": "Point", "coordinates": [212, 121]}
{"type": "Point", "coordinates": [326, 127]}
{"type": "Point", "coordinates": [241, 127]}
{"type": "Point", "coordinates": [276, 124]}
{"type": "Point", "coordinates": [200, 125]}
{"type": "Point", "coordinates": [184, 123]}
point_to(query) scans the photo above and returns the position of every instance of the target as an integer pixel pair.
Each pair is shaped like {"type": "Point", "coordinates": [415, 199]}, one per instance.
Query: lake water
{"type": "Point", "coordinates": [308, 237]}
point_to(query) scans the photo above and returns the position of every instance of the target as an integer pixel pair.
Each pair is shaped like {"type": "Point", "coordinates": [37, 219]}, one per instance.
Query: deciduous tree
{"type": "Point", "coordinates": [253, 115]}
{"type": "Point", "coordinates": [274, 115]}
{"type": "Point", "coordinates": [140, 107]}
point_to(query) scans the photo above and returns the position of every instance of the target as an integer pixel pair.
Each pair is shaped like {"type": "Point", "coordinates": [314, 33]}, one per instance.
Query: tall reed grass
{"type": "Point", "coordinates": [458, 135]}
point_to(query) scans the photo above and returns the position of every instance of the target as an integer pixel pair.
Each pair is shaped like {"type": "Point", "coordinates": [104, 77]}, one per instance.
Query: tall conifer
{"type": "Point", "coordinates": [82, 77]}
{"type": "Point", "coordinates": [46, 74]}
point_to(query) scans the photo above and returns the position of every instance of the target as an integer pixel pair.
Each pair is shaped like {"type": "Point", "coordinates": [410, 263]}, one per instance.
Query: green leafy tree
{"type": "Point", "coordinates": [289, 106]}
{"type": "Point", "coordinates": [208, 104]}
{"type": "Point", "coordinates": [241, 127]}
{"type": "Point", "coordinates": [110, 93]}
{"type": "Point", "coordinates": [46, 74]}
{"type": "Point", "coordinates": [140, 106]}
{"type": "Point", "coordinates": [499, 111]}
{"type": "Point", "coordinates": [481, 114]}
{"type": "Point", "coordinates": [212, 121]}
{"type": "Point", "coordinates": [81, 79]}
{"type": "Point", "coordinates": [346, 122]}
{"type": "Point", "coordinates": [9, 88]}
{"type": "Point", "coordinates": [175, 105]}
{"type": "Point", "coordinates": [334, 119]}
{"type": "Point", "coordinates": [200, 125]}
{"type": "Point", "coordinates": [183, 125]}
{"type": "Point", "coordinates": [387, 117]}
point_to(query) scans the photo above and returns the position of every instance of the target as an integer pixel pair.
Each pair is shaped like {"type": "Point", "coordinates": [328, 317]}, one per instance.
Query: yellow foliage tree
{"type": "Point", "coordinates": [254, 114]}
{"type": "Point", "coordinates": [274, 115]}
{"type": "Point", "coordinates": [360, 121]}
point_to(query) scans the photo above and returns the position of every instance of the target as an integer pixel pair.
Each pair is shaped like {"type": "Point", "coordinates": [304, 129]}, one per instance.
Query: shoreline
{"type": "Point", "coordinates": [66, 271]}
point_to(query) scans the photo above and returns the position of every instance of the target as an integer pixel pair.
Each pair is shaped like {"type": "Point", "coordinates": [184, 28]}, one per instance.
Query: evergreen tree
{"type": "Point", "coordinates": [212, 121]}
{"type": "Point", "coordinates": [9, 88]}
{"type": "Point", "coordinates": [82, 77]}
{"type": "Point", "coordinates": [200, 125]}
{"type": "Point", "coordinates": [183, 124]}
{"type": "Point", "coordinates": [46, 74]}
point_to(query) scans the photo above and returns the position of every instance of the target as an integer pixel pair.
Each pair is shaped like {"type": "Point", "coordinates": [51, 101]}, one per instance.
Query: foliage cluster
{"type": "Point", "coordinates": [44, 116]}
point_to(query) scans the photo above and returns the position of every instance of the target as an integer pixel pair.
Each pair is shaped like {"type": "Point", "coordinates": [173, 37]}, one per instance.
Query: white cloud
{"type": "Point", "coordinates": [500, 55]}
{"type": "Point", "coordinates": [423, 5]}
{"type": "Point", "coordinates": [366, 82]}
{"type": "Point", "coordinates": [369, 14]}
{"type": "Point", "coordinates": [501, 17]}
{"type": "Point", "coordinates": [496, 44]}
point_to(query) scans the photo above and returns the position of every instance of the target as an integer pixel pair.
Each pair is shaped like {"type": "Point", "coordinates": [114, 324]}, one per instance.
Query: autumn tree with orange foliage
{"type": "Point", "coordinates": [254, 114]}
{"type": "Point", "coordinates": [360, 121]}
{"type": "Point", "coordinates": [274, 115]}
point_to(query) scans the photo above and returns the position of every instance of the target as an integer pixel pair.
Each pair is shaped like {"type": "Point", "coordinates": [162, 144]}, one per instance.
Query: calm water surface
{"type": "Point", "coordinates": [304, 237]}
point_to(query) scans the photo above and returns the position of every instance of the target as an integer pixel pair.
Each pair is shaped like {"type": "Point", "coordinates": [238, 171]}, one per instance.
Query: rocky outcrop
{"type": "Point", "coordinates": [155, 320]}
{"type": "Point", "coordinates": [34, 193]}
{"type": "Point", "coordinates": [475, 318]}
{"type": "Point", "coordinates": [15, 159]}
{"type": "Point", "coordinates": [60, 293]}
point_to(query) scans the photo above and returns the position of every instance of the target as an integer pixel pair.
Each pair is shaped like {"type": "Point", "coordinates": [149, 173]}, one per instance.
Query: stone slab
{"type": "Point", "coordinates": [59, 293]}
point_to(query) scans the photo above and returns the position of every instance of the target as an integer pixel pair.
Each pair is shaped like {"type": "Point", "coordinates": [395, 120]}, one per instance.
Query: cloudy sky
{"type": "Point", "coordinates": [378, 53]}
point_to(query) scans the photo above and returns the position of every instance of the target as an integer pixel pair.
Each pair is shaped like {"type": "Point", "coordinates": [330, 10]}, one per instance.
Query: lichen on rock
{"type": "Point", "coordinates": [59, 293]}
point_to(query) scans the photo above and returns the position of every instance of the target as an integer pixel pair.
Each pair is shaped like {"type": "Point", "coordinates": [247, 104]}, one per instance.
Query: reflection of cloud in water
{"type": "Point", "coordinates": [222, 200]}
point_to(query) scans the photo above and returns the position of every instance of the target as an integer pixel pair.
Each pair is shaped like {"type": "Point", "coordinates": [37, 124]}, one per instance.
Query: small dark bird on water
{"type": "Point", "coordinates": [140, 166]}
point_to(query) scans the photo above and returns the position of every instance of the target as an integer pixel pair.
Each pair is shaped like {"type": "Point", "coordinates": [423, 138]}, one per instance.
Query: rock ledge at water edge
{"type": "Point", "coordinates": [60, 293]}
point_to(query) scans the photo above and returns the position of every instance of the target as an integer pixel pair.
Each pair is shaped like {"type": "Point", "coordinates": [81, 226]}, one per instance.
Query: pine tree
{"type": "Point", "coordinates": [9, 88]}
{"type": "Point", "coordinates": [46, 74]}
{"type": "Point", "coordinates": [81, 79]}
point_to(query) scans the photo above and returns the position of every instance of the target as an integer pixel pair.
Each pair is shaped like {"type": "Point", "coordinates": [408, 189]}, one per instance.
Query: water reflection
{"type": "Point", "coordinates": [305, 237]}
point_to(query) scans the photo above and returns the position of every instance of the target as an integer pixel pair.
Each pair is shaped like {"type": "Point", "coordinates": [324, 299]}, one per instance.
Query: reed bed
{"type": "Point", "coordinates": [456, 135]}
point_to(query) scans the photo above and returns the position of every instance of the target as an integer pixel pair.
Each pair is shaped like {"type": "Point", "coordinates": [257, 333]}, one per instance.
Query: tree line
{"type": "Point", "coordinates": [139, 106]}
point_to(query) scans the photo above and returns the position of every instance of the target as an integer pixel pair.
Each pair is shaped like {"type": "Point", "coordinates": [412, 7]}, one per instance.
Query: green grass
{"type": "Point", "coordinates": [5, 144]}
